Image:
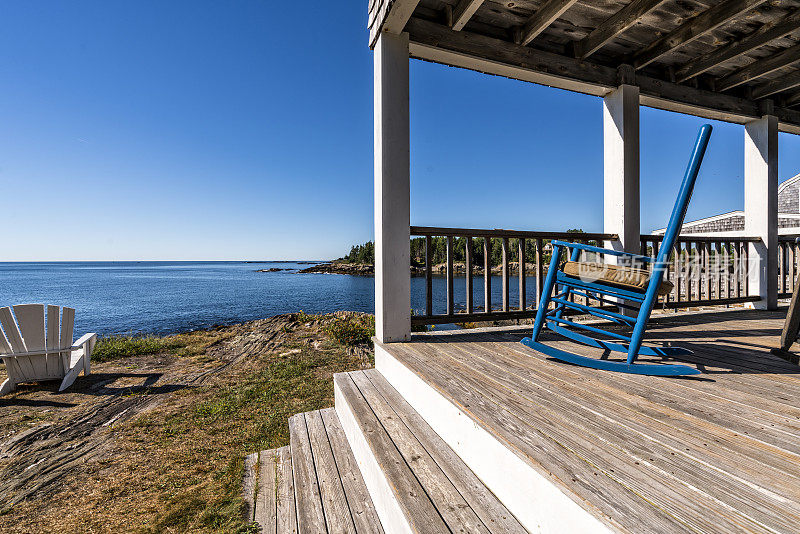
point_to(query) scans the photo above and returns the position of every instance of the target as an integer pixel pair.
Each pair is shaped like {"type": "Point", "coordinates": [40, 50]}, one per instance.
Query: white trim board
{"type": "Point", "coordinates": [535, 501]}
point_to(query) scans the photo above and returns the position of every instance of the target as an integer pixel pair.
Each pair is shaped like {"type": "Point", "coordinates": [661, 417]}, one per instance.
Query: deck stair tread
{"type": "Point", "coordinates": [312, 485]}
{"type": "Point", "coordinates": [430, 485]}
{"type": "Point", "coordinates": [719, 454]}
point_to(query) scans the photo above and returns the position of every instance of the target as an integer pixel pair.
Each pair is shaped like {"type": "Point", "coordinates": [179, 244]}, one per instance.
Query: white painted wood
{"type": "Point", "coordinates": [392, 189]}
{"type": "Point", "coordinates": [11, 330]}
{"type": "Point", "coordinates": [761, 208]}
{"type": "Point", "coordinates": [621, 167]}
{"type": "Point", "coordinates": [32, 353]}
{"type": "Point", "coordinates": [387, 507]}
{"type": "Point", "coordinates": [53, 361]}
{"type": "Point", "coordinates": [5, 348]}
{"type": "Point", "coordinates": [537, 503]}
{"type": "Point", "coordinates": [67, 326]}
{"type": "Point", "coordinates": [67, 331]}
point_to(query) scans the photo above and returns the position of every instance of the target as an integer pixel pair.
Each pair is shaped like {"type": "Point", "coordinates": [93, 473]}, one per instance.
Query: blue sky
{"type": "Point", "coordinates": [243, 130]}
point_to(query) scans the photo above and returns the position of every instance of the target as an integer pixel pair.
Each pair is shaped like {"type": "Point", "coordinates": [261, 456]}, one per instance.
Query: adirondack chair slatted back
{"type": "Point", "coordinates": [11, 330]}
{"type": "Point", "coordinates": [27, 334]}
{"type": "Point", "coordinates": [67, 327]}
{"type": "Point", "coordinates": [34, 348]}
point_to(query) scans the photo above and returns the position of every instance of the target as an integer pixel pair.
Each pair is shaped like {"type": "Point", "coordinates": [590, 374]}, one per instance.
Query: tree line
{"type": "Point", "coordinates": [366, 253]}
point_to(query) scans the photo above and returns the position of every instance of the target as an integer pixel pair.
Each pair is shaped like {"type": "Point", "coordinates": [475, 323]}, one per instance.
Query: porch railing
{"type": "Point", "coordinates": [704, 270]}
{"type": "Point", "coordinates": [475, 246]}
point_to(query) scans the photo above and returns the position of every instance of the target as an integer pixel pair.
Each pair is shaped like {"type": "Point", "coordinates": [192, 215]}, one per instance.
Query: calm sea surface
{"type": "Point", "coordinates": [165, 297]}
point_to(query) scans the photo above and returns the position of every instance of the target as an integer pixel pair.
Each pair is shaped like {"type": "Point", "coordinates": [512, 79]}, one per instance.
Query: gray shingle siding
{"type": "Point", "coordinates": [788, 203]}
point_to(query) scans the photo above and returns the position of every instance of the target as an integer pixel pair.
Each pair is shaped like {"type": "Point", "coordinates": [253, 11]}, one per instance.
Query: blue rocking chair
{"type": "Point", "coordinates": [617, 285]}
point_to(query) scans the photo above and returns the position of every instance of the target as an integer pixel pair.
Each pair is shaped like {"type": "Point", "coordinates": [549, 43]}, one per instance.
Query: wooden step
{"type": "Point", "coordinates": [418, 484]}
{"type": "Point", "coordinates": [313, 485]}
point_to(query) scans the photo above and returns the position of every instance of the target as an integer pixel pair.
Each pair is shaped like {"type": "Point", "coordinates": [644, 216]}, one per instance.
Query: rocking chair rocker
{"type": "Point", "coordinates": [622, 286]}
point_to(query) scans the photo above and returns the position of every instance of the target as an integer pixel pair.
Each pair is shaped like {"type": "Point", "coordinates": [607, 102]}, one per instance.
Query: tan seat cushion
{"type": "Point", "coordinates": [615, 275]}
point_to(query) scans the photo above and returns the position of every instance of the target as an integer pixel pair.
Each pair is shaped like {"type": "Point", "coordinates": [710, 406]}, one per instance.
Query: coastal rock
{"type": "Point", "coordinates": [272, 270]}
{"type": "Point", "coordinates": [356, 269]}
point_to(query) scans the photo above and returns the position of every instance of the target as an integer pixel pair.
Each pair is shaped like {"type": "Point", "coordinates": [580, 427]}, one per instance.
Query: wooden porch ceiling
{"type": "Point", "coordinates": [731, 60]}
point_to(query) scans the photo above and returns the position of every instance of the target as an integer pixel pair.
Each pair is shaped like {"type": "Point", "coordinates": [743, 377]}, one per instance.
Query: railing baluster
{"type": "Point", "coordinates": [428, 278]}
{"type": "Point", "coordinates": [539, 270]}
{"type": "Point", "coordinates": [468, 280]}
{"type": "Point", "coordinates": [450, 298]}
{"type": "Point", "coordinates": [737, 267]}
{"type": "Point", "coordinates": [746, 277]}
{"type": "Point", "coordinates": [687, 270]}
{"type": "Point", "coordinates": [487, 274]}
{"type": "Point", "coordinates": [781, 268]}
{"type": "Point", "coordinates": [505, 273]}
{"type": "Point", "coordinates": [676, 268]}
{"type": "Point", "coordinates": [521, 269]}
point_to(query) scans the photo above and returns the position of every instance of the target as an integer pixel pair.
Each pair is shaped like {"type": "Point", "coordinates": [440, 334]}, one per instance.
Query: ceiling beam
{"type": "Point", "coordinates": [438, 43]}
{"type": "Point", "coordinates": [792, 100]}
{"type": "Point", "coordinates": [463, 12]}
{"type": "Point", "coordinates": [613, 26]}
{"type": "Point", "coordinates": [759, 68]}
{"type": "Point", "coordinates": [777, 86]}
{"type": "Point", "coordinates": [544, 17]}
{"type": "Point", "coordinates": [692, 29]}
{"type": "Point", "coordinates": [765, 34]}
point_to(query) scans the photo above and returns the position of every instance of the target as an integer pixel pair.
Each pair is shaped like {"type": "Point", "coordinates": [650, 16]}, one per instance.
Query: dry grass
{"type": "Point", "coordinates": [178, 467]}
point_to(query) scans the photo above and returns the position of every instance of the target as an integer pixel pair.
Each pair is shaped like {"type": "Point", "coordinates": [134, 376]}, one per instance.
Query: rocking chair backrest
{"type": "Point", "coordinates": [685, 194]}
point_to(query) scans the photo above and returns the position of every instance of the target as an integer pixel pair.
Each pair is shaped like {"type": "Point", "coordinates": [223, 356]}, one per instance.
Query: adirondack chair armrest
{"type": "Point", "coordinates": [600, 250]}
{"type": "Point", "coordinates": [87, 340]}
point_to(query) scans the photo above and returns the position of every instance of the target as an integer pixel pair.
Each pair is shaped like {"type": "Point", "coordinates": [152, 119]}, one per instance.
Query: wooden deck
{"type": "Point", "coordinates": [717, 453]}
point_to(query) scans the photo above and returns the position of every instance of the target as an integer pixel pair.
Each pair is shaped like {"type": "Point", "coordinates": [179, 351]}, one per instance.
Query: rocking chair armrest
{"type": "Point", "coordinates": [83, 341]}
{"type": "Point", "coordinates": [610, 252]}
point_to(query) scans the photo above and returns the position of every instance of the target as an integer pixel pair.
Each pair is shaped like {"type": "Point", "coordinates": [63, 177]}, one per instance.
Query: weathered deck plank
{"type": "Point", "coordinates": [721, 453]}
{"type": "Point", "coordinates": [358, 499]}
{"type": "Point", "coordinates": [310, 513]}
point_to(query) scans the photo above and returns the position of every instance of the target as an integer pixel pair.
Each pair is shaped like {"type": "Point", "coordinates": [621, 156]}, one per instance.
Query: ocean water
{"type": "Point", "coordinates": [167, 297]}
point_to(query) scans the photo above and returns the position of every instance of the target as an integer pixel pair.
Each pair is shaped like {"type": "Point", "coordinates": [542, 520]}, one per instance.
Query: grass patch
{"type": "Point", "coordinates": [125, 346]}
{"type": "Point", "coordinates": [113, 347]}
{"type": "Point", "coordinates": [352, 331]}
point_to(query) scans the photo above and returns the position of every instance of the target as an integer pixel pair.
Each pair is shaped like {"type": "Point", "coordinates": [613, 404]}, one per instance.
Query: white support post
{"type": "Point", "coordinates": [392, 190]}
{"type": "Point", "coordinates": [761, 208]}
{"type": "Point", "coordinates": [621, 168]}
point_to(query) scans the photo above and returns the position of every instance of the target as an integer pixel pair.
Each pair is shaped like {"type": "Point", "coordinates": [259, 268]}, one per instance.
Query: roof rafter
{"type": "Point", "coordinates": [544, 17]}
{"type": "Point", "coordinates": [765, 34]}
{"type": "Point", "coordinates": [759, 68]}
{"type": "Point", "coordinates": [693, 28]}
{"type": "Point", "coordinates": [613, 26]}
{"type": "Point", "coordinates": [463, 12]}
{"type": "Point", "coordinates": [436, 42]}
{"type": "Point", "coordinates": [777, 86]}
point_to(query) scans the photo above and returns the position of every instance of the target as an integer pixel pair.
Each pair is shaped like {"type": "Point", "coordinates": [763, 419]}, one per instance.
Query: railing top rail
{"type": "Point", "coordinates": [688, 238]}
{"type": "Point", "coordinates": [789, 238]}
{"type": "Point", "coordinates": [475, 232]}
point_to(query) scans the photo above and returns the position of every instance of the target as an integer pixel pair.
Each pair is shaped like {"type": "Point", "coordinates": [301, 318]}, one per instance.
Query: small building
{"type": "Point", "coordinates": [732, 222]}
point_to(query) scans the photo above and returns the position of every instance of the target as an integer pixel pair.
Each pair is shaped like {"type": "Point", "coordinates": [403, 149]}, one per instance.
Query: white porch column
{"type": "Point", "coordinates": [621, 167]}
{"type": "Point", "coordinates": [761, 207]}
{"type": "Point", "coordinates": [392, 191]}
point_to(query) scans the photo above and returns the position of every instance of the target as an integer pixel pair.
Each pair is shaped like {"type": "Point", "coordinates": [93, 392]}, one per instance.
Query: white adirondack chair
{"type": "Point", "coordinates": [32, 356]}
